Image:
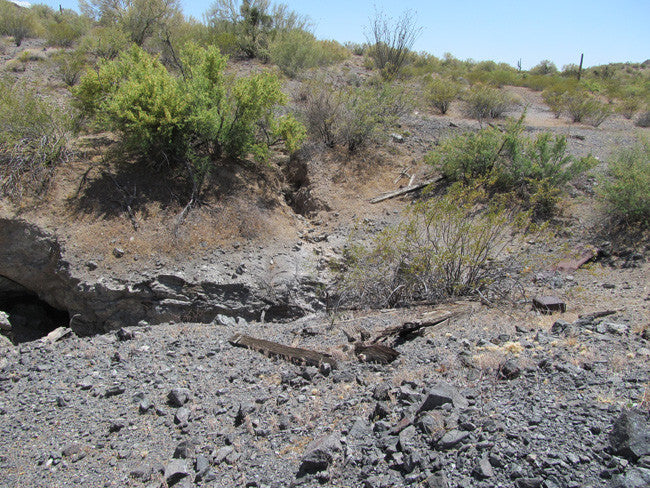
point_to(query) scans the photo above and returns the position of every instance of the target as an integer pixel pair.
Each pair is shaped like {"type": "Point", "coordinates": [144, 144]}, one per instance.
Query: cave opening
{"type": "Point", "coordinates": [29, 317]}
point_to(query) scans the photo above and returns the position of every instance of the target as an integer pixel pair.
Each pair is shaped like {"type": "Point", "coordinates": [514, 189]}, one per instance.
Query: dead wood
{"type": "Point", "coordinates": [404, 191]}
{"type": "Point", "coordinates": [375, 353]}
{"type": "Point", "coordinates": [408, 330]}
{"type": "Point", "coordinates": [292, 354]}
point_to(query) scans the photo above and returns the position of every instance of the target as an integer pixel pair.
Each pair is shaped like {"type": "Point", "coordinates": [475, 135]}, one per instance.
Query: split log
{"type": "Point", "coordinates": [404, 191]}
{"type": "Point", "coordinates": [293, 354]}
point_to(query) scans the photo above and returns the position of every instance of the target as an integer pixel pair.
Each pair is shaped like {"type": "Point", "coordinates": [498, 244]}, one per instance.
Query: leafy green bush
{"type": "Point", "coordinates": [297, 50]}
{"type": "Point", "coordinates": [626, 189]}
{"type": "Point", "coordinates": [533, 170]}
{"type": "Point", "coordinates": [629, 106]}
{"type": "Point", "coordinates": [443, 249]}
{"type": "Point", "coordinates": [545, 67]}
{"type": "Point", "coordinates": [441, 92]}
{"type": "Point", "coordinates": [484, 102]}
{"type": "Point", "coordinates": [191, 121]}
{"type": "Point", "coordinates": [34, 137]}
{"type": "Point", "coordinates": [554, 98]}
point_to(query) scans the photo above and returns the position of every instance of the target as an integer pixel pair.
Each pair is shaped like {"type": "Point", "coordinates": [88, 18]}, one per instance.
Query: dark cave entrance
{"type": "Point", "coordinates": [30, 318]}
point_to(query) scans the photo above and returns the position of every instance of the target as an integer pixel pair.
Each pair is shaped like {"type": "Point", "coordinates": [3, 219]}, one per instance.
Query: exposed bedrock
{"type": "Point", "coordinates": [32, 262]}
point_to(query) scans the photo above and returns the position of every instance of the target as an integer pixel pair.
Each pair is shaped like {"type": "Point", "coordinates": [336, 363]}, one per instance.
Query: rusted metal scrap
{"type": "Point", "coordinates": [375, 353]}
{"type": "Point", "coordinates": [568, 265]}
{"type": "Point", "coordinates": [292, 354]}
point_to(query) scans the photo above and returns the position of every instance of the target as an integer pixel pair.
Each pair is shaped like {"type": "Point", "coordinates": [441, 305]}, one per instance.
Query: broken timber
{"type": "Point", "coordinates": [416, 327]}
{"type": "Point", "coordinates": [404, 191]}
{"type": "Point", "coordinates": [293, 354]}
{"type": "Point", "coordinates": [375, 353]}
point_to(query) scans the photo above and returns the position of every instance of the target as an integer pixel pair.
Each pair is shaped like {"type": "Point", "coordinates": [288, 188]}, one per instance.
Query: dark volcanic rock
{"type": "Point", "coordinates": [320, 454]}
{"type": "Point", "coordinates": [630, 436]}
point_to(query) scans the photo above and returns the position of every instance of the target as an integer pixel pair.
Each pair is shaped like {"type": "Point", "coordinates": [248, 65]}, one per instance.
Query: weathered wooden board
{"type": "Point", "coordinates": [293, 354]}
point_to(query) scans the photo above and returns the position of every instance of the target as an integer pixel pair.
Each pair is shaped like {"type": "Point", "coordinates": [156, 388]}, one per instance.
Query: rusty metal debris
{"type": "Point", "coordinates": [569, 265]}
{"type": "Point", "coordinates": [549, 304]}
{"type": "Point", "coordinates": [293, 354]}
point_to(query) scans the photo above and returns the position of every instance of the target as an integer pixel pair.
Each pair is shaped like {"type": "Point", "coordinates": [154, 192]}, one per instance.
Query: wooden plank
{"type": "Point", "coordinates": [375, 353]}
{"type": "Point", "coordinates": [404, 191]}
{"type": "Point", "coordinates": [293, 354]}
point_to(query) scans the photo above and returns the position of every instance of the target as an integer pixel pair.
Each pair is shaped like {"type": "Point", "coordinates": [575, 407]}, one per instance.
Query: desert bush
{"type": "Point", "coordinates": [356, 48]}
{"type": "Point", "coordinates": [18, 22]}
{"type": "Point", "coordinates": [297, 50]}
{"type": "Point", "coordinates": [104, 43]}
{"type": "Point", "coordinates": [625, 190]}
{"type": "Point", "coordinates": [545, 67]}
{"type": "Point", "coordinates": [391, 42]}
{"type": "Point", "coordinates": [444, 248]}
{"type": "Point", "coordinates": [629, 106]}
{"type": "Point", "coordinates": [34, 137]}
{"type": "Point", "coordinates": [441, 92]}
{"type": "Point", "coordinates": [484, 102]}
{"type": "Point", "coordinates": [581, 106]}
{"type": "Point", "coordinates": [64, 28]}
{"type": "Point", "coordinates": [534, 171]}
{"type": "Point", "coordinates": [253, 23]}
{"type": "Point", "coordinates": [643, 120]}
{"type": "Point", "coordinates": [554, 98]}
{"type": "Point", "coordinates": [192, 121]}
{"type": "Point", "coordinates": [69, 65]}
{"type": "Point", "coordinates": [353, 115]}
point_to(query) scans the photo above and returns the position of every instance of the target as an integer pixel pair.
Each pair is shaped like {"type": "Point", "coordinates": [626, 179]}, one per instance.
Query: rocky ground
{"type": "Point", "coordinates": [498, 395]}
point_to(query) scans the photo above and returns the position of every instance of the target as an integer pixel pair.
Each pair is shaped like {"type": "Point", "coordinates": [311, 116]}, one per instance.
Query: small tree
{"type": "Point", "coordinates": [391, 42]}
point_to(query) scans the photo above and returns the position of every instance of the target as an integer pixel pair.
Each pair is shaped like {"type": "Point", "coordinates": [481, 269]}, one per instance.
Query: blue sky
{"type": "Point", "coordinates": [500, 30]}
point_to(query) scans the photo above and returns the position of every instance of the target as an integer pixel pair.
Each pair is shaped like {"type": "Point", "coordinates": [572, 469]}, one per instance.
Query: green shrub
{"type": "Point", "coordinates": [297, 50]}
{"type": "Point", "coordinates": [354, 115]}
{"type": "Point", "coordinates": [532, 170]}
{"type": "Point", "coordinates": [626, 189]}
{"type": "Point", "coordinates": [65, 28]}
{"type": "Point", "coordinates": [18, 22]}
{"type": "Point", "coordinates": [441, 92]}
{"type": "Point", "coordinates": [104, 43]}
{"type": "Point", "coordinates": [545, 67]}
{"type": "Point", "coordinates": [34, 137]}
{"type": "Point", "coordinates": [582, 106]}
{"type": "Point", "coordinates": [443, 249]}
{"type": "Point", "coordinates": [192, 121]}
{"type": "Point", "coordinates": [554, 98]}
{"type": "Point", "coordinates": [484, 102]}
{"type": "Point", "coordinates": [629, 106]}
{"type": "Point", "coordinates": [69, 65]}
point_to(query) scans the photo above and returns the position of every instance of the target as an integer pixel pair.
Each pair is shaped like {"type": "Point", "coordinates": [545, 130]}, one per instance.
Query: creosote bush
{"type": "Point", "coordinates": [353, 115]}
{"type": "Point", "coordinates": [625, 190]}
{"type": "Point", "coordinates": [191, 121]}
{"type": "Point", "coordinates": [507, 162]}
{"type": "Point", "coordinates": [443, 249]}
{"type": "Point", "coordinates": [296, 51]}
{"type": "Point", "coordinates": [440, 92]}
{"type": "Point", "coordinates": [484, 102]}
{"type": "Point", "coordinates": [34, 137]}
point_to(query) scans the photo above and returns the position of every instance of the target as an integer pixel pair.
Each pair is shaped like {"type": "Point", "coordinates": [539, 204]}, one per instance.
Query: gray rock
{"type": "Point", "coordinates": [184, 450]}
{"type": "Point", "coordinates": [224, 320]}
{"type": "Point", "coordinates": [320, 454]}
{"type": "Point", "coordinates": [175, 471]}
{"type": "Point", "coordinates": [441, 394]}
{"type": "Point", "coordinates": [438, 480]}
{"type": "Point", "coordinates": [142, 473]}
{"type": "Point", "coordinates": [202, 465]}
{"type": "Point", "coordinates": [483, 468]}
{"type": "Point", "coordinates": [630, 435]}
{"type": "Point", "coordinates": [182, 416]}
{"type": "Point", "coordinates": [632, 478]}
{"type": "Point", "coordinates": [118, 252]}
{"type": "Point", "coordinates": [5, 325]}
{"type": "Point", "coordinates": [509, 370]}
{"type": "Point", "coordinates": [223, 453]}
{"type": "Point", "coordinates": [617, 329]}
{"type": "Point", "coordinates": [178, 397]}
{"type": "Point", "coordinates": [452, 438]}
{"type": "Point", "coordinates": [528, 482]}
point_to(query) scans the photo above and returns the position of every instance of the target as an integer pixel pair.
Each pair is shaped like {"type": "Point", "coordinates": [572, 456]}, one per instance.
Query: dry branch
{"type": "Point", "coordinates": [404, 191]}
